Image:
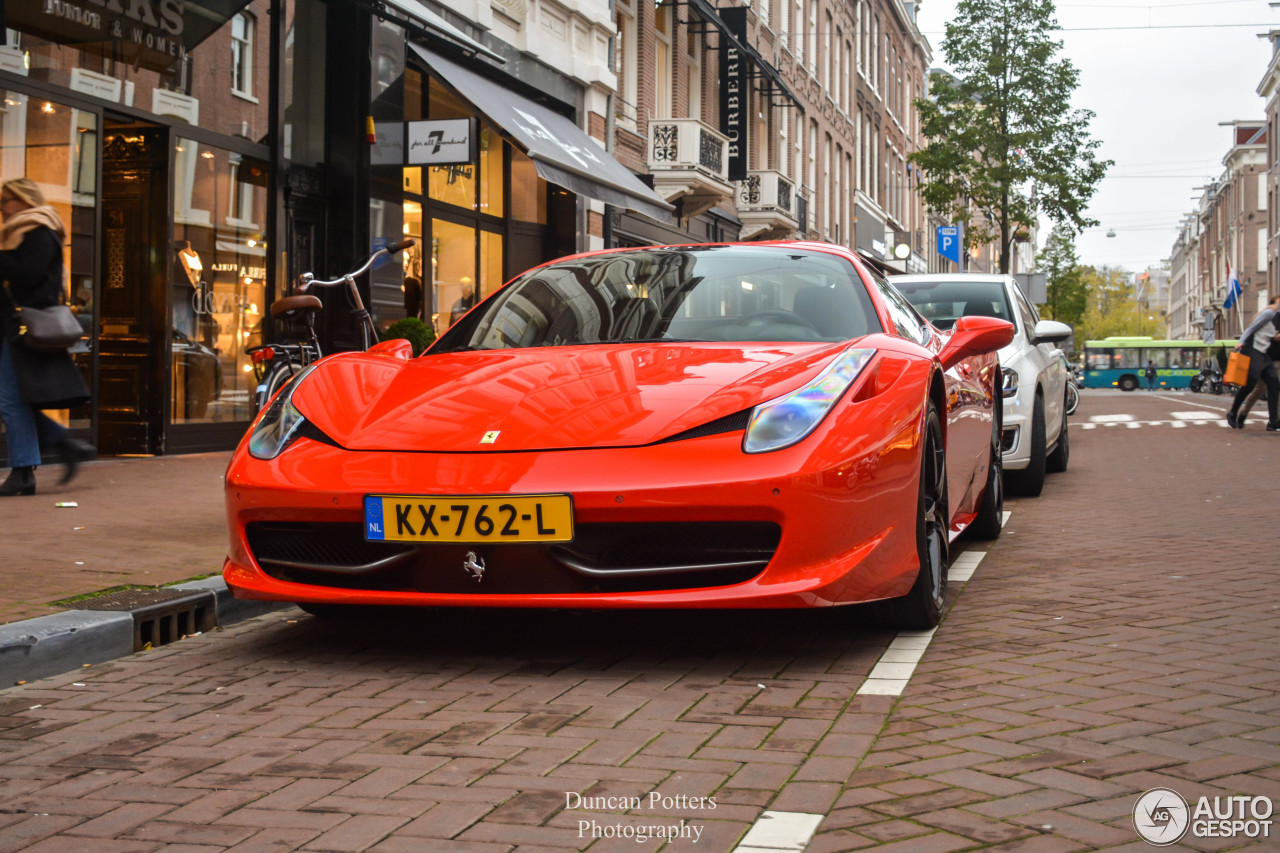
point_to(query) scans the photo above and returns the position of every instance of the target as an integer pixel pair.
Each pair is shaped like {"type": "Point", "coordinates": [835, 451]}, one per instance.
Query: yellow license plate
{"type": "Point", "coordinates": [474, 518]}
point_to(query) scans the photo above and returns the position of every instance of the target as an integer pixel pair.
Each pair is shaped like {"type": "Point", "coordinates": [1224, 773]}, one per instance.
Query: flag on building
{"type": "Point", "coordinates": [1234, 290]}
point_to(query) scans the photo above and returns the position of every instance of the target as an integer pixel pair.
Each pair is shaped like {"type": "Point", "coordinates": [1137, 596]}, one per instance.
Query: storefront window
{"type": "Point", "coordinates": [528, 190]}
{"type": "Point", "coordinates": [491, 182]}
{"type": "Point", "coordinates": [217, 288]}
{"type": "Point", "coordinates": [204, 64]}
{"type": "Point", "coordinates": [454, 185]}
{"type": "Point", "coordinates": [417, 299]}
{"type": "Point", "coordinates": [453, 262]}
{"type": "Point", "coordinates": [56, 146]}
{"type": "Point", "coordinates": [490, 262]}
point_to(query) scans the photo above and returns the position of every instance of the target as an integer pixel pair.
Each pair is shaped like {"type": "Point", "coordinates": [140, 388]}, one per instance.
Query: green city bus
{"type": "Point", "coordinates": [1119, 362]}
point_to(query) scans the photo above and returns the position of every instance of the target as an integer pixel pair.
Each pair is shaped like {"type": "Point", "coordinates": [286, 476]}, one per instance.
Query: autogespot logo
{"type": "Point", "coordinates": [1161, 816]}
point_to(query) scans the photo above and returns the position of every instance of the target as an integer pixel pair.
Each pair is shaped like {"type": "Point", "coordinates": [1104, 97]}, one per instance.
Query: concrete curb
{"type": "Point", "coordinates": [60, 642]}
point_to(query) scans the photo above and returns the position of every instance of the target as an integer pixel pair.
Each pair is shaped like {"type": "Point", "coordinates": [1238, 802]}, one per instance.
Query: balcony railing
{"type": "Point", "coordinates": [766, 190]}
{"type": "Point", "coordinates": [767, 204]}
{"type": "Point", "coordinates": [686, 143]}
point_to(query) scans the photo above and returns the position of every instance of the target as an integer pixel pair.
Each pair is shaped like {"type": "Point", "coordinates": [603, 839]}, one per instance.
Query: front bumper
{"type": "Point", "coordinates": [844, 528]}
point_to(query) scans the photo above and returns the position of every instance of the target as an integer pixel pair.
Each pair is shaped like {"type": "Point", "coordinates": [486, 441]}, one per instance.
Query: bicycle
{"type": "Point", "coordinates": [275, 364]}
{"type": "Point", "coordinates": [1073, 394]}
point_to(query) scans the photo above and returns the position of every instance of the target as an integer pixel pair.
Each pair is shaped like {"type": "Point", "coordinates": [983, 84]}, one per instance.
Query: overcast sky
{"type": "Point", "coordinates": [1158, 91]}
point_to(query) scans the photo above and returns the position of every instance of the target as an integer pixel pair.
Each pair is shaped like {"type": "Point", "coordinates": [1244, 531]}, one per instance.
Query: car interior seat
{"type": "Point", "coordinates": [982, 308]}
{"type": "Point", "coordinates": [833, 313]}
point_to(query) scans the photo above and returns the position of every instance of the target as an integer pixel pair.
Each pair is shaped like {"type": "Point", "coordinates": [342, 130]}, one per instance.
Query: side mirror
{"type": "Point", "coordinates": [975, 336]}
{"type": "Point", "coordinates": [1050, 332]}
{"type": "Point", "coordinates": [396, 348]}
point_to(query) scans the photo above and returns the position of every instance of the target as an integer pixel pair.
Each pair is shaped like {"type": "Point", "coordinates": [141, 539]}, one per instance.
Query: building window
{"type": "Point", "coordinates": [240, 203]}
{"type": "Point", "coordinates": [624, 65]}
{"type": "Point", "coordinates": [662, 61]}
{"type": "Point", "coordinates": [827, 221]}
{"type": "Point", "coordinates": [829, 68]}
{"type": "Point", "coordinates": [799, 35]}
{"type": "Point", "coordinates": [242, 26]}
{"type": "Point", "coordinates": [695, 75]}
{"type": "Point", "coordinates": [1262, 249]}
{"type": "Point", "coordinates": [813, 31]}
{"type": "Point", "coordinates": [1262, 191]}
{"type": "Point", "coordinates": [812, 179]}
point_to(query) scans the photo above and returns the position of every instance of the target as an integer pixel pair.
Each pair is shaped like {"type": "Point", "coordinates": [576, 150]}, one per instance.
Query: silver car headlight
{"type": "Point", "coordinates": [1010, 386]}
{"type": "Point", "coordinates": [788, 419]}
{"type": "Point", "coordinates": [282, 423]}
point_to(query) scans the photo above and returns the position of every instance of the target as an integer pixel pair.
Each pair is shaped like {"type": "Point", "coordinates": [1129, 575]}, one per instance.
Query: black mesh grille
{"type": "Point", "coordinates": [317, 544]}
{"type": "Point", "coordinates": [729, 423]}
{"type": "Point", "coordinates": [601, 558]}
{"type": "Point", "coordinates": [632, 545]}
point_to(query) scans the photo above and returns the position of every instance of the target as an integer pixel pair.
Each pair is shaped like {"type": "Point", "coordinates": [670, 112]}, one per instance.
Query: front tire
{"type": "Point", "coordinates": [921, 608]}
{"type": "Point", "coordinates": [1073, 398]}
{"type": "Point", "coordinates": [1029, 482]}
{"type": "Point", "coordinates": [1128, 382]}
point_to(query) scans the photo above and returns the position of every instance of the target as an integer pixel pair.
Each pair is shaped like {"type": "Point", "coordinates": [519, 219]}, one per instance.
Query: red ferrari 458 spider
{"type": "Point", "coordinates": [759, 425]}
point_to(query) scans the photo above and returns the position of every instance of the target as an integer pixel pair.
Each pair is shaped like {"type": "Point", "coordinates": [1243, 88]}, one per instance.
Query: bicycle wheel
{"type": "Point", "coordinates": [1073, 398]}
{"type": "Point", "coordinates": [277, 377]}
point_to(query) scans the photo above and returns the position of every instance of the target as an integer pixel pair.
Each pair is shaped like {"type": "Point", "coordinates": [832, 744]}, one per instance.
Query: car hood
{"type": "Point", "coordinates": [547, 398]}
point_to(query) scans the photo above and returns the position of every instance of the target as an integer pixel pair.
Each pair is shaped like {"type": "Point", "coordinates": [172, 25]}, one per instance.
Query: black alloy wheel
{"type": "Point", "coordinates": [921, 608]}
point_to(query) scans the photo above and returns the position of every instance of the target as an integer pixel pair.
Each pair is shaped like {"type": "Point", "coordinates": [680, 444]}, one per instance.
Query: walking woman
{"type": "Point", "coordinates": [31, 243]}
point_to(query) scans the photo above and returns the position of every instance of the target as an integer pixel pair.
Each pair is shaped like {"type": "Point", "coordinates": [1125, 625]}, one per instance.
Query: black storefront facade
{"type": "Point", "coordinates": [206, 152]}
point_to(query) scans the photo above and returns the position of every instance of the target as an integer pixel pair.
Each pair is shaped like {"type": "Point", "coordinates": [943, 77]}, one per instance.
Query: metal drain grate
{"type": "Point", "coordinates": [160, 616]}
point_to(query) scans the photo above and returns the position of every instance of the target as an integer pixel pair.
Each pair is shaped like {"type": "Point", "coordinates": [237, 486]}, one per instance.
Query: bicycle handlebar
{"type": "Point", "coordinates": [308, 279]}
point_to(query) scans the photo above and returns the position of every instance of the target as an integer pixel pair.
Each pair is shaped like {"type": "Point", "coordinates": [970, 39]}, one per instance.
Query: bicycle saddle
{"type": "Point", "coordinates": [288, 304]}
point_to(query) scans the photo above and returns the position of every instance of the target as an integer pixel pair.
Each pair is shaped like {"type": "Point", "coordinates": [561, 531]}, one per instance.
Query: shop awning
{"type": "Point", "coordinates": [562, 152]}
{"type": "Point", "coordinates": [432, 25]}
{"type": "Point", "coordinates": [773, 75]}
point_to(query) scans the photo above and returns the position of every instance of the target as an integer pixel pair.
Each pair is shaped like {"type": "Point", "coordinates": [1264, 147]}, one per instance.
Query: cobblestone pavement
{"type": "Point", "coordinates": [1120, 636]}
{"type": "Point", "coordinates": [143, 522]}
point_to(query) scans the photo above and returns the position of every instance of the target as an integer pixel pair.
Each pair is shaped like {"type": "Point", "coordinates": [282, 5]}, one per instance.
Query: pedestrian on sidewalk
{"type": "Point", "coordinates": [31, 268]}
{"type": "Point", "coordinates": [1273, 353]}
{"type": "Point", "coordinates": [1151, 375]}
{"type": "Point", "coordinates": [1254, 343]}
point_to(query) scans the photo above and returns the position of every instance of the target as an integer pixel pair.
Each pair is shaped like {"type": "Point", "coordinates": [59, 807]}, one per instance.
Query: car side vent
{"type": "Point", "coordinates": [729, 423]}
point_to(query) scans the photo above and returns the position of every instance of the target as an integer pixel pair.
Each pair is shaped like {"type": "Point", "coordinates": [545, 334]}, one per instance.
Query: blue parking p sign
{"type": "Point", "coordinates": [949, 242]}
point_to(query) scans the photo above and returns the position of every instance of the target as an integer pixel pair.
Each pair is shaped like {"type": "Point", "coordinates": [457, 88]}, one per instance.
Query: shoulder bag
{"type": "Point", "coordinates": [47, 329]}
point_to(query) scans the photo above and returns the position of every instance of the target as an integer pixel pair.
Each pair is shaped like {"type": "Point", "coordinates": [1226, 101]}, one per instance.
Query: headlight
{"type": "Point", "coordinates": [282, 424]}
{"type": "Point", "coordinates": [1010, 382]}
{"type": "Point", "coordinates": [783, 422]}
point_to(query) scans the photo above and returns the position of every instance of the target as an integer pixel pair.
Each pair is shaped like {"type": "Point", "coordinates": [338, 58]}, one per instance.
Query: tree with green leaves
{"type": "Point", "coordinates": [1067, 291]}
{"type": "Point", "coordinates": [1111, 308]}
{"type": "Point", "coordinates": [1002, 142]}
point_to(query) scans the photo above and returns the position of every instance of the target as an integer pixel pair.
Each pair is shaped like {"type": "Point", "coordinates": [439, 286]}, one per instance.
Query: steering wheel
{"type": "Point", "coordinates": [778, 315]}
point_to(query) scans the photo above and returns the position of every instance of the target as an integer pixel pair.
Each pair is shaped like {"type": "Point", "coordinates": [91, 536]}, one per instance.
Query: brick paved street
{"type": "Point", "coordinates": [1120, 636]}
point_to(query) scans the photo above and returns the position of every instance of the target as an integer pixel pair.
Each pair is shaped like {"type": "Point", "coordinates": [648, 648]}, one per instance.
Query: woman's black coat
{"type": "Point", "coordinates": [49, 380]}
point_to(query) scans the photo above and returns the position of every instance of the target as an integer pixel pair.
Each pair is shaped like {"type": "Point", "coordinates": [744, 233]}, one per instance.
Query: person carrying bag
{"type": "Point", "coordinates": [1254, 343]}
{"type": "Point", "coordinates": [40, 376]}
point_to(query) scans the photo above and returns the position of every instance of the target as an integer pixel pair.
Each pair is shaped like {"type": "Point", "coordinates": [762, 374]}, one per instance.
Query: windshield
{"type": "Point", "coordinates": [943, 302]}
{"type": "Point", "coordinates": [702, 293]}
